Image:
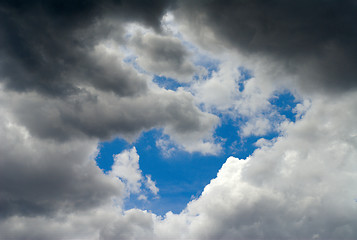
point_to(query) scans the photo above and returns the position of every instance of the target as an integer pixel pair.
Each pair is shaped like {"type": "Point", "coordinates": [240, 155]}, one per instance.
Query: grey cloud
{"type": "Point", "coordinates": [42, 177]}
{"type": "Point", "coordinates": [163, 55]}
{"type": "Point", "coordinates": [45, 44]}
{"type": "Point", "coordinates": [135, 224]}
{"type": "Point", "coordinates": [312, 39]}
{"type": "Point", "coordinates": [99, 115]}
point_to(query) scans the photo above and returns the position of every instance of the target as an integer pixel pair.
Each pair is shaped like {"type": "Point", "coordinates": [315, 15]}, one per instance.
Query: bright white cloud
{"type": "Point", "coordinates": [150, 184]}
{"type": "Point", "coordinates": [126, 167]}
{"type": "Point", "coordinates": [256, 127]}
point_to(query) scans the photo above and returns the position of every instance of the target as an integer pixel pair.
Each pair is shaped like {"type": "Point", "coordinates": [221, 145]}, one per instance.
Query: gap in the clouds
{"type": "Point", "coordinates": [168, 83]}
{"type": "Point", "coordinates": [235, 145]}
{"type": "Point", "coordinates": [284, 103]}
{"type": "Point", "coordinates": [245, 75]}
{"type": "Point", "coordinates": [107, 150]}
{"type": "Point", "coordinates": [209, 64]}
{"type": "Point", "coordinates": [179, 175]}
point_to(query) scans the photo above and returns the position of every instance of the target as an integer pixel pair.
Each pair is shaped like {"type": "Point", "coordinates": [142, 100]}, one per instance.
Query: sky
{"type": "Point", "coordinates": [178, 119]}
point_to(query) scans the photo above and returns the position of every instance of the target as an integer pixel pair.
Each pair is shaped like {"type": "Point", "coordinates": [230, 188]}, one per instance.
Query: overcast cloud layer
{"type": "Point", "coordinates": [74, 73]}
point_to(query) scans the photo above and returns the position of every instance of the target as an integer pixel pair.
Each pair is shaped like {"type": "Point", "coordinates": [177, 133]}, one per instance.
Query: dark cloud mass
{"type": "Point", "coordinates": [45, 45]}
{"type": "Point", "coordinates": [313, 39]}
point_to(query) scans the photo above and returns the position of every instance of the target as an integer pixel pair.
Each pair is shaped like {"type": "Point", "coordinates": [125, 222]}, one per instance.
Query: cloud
{"type": "Point", "coordinates": [256, 127]}
{"type": "Point", "coordinates": [150, 184]}
{"type": "Point", "coordinates": [97, 115]}
{"type": "Point", "coordinates": [164, 56]}
{"type": "Point", "coordinates": [69, 68]}
{"type": "Point", "coordinates": [297, 186]}
{"type": "Point", "coordinates": [245, 99]}
{"type": "Point", "coordinates": [126, 167]}
{"type": "Point", "coordinates": [312, 40]}
{"type": "Point", "coordinates": [135, 224]}
{"type": "Point", "coordinates": [39, 178]}
{"type": "Point", "coordinates": [54, 58]}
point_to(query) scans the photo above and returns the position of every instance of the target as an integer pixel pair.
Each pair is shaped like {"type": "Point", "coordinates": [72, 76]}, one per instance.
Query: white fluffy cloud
{"type": "Point", "coordinates": [126, 167]}
{"type": "Point", "coordinates": [150, 184]}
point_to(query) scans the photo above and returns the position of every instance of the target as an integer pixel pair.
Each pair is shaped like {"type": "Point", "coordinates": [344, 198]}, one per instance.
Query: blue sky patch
{"type": "Point", "coordinates": [245, 75]}
{"type": "Point", "coordinates": [284, 102]}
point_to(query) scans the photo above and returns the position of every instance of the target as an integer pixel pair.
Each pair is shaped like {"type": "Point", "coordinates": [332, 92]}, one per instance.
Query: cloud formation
{"type": "Point", "coordinates": [66, 83]}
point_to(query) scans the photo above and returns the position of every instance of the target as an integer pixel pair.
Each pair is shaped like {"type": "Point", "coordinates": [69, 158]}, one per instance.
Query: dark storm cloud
{"type": "Point", "coordinates": [314, 39]}
{"type": "Point", "coordinates": [45, 45]}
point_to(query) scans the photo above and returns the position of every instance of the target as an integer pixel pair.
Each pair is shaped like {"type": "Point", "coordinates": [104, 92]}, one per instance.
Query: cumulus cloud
{"type": "Point", "coordinates": [231, 92]}
{"type": "Point", "coordinates": [126, 167]}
